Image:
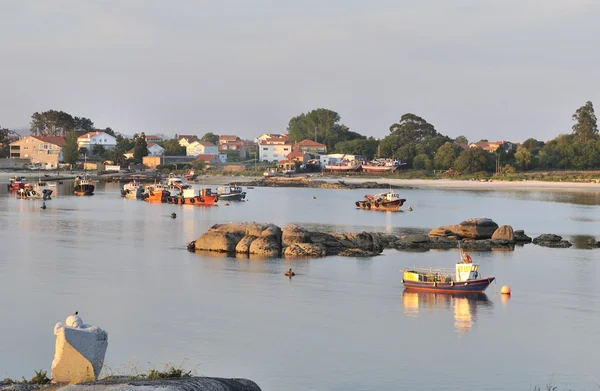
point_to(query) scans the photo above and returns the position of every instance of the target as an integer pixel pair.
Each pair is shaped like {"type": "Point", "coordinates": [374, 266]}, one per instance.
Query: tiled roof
{"type": "Point", "coordinates": [310, 143]}
{"type": "Point", "coordinates": [205, 157]}
{"type": "Point", "coordinates": [56, 140]}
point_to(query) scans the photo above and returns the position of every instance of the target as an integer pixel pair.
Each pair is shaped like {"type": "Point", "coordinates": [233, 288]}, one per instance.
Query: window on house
{"type": "Point", "coordinates": [286, 149]}
{"type": "Point", "coordinates": [265, 149]}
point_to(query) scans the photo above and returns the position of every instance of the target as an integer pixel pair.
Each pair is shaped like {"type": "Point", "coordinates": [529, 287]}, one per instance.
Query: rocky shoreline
{"type": "Point", "coordinates": [269, 240]}
{"type": "Point", "coordinates": [126, 383]}
{"type": "Point", "coordinates": [317, 184]}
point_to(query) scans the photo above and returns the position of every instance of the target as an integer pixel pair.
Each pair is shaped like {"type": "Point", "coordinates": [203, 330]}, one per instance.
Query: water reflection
{"type": "Point", "coordinates": [584, 241]}
{"type": "Point", "coordinates": [463, 305]}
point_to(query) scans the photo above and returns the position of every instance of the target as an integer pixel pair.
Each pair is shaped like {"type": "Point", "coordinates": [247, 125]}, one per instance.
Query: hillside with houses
{"type": "Point", "coordinates": [313, 141]}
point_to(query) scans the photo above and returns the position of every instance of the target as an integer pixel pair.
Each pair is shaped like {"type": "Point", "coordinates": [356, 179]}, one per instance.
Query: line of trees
{"type": "Point", "coordinates": [416, 142]}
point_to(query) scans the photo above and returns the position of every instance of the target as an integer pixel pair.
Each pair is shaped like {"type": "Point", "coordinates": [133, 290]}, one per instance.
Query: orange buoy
{"type": "Point", "coordinates": [505, 290]}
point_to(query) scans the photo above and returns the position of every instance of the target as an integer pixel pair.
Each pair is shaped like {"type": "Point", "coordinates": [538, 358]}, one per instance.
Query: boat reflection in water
{"type": "Point", "coordinates": [463, 305]}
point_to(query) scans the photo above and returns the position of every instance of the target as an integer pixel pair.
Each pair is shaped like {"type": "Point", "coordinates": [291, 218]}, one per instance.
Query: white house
{"type": "Point", "coordinates": [201, 148]}
{"type": "Point", "coordinates": [273, 150]}
{"type": "Point", "coordinates": [90, 139]}
{"type": "Point", "coordinates": [335, 158]}
{"type": "Point", "coordinates": [277, 136]}
{"type": "Point", "coordinates": [155, 149]}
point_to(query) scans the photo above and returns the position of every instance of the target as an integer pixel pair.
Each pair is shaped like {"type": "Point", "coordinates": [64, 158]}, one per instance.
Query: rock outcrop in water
{"type": "Point", "coordinates": [316, 183]}
{"type": "Point", "coordinates": [125, 383]}
{"type": "Point", "coordinates": [293, 241]}
{"type": "Point", "coordinates": [477, 234]}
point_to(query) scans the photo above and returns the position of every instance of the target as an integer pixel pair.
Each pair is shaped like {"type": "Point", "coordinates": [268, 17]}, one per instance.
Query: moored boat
{"type": "Point", "coordinates": [231, 193]}
{"type": "Point", "coordinates": [191, 175]}
{"type": "Point", "coordinates": [156, 195]}
{"type": "Point", "coordinates": [382, 166]}
{"type": "Point", "coordinates": [464, 278]}
{"type": "Point", "coordinates": [17, 182]}
{"type": "Point", "coordinates": [189, 196]}
{"type": "Point", "coordinates": [133, 190]}
{"type": "Point", "coordinates": [83, 186]}
{"type": "Point", "coordinates": [175, 181]}
{"type": "Point", "coordinates": [388, 201]}
{"type": "Point", "coordinates": [343, 167]}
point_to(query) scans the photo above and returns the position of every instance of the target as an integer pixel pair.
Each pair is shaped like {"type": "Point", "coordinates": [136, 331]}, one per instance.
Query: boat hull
{"type": "Point", "coordinates": [232, 197]}
{"type": "Point", "coordinates": [386, 206]}
{"type": "Point", "coordinates": [479, 285]}
{"type": "Point", "coordinates": [343, 168]}
{"type": "Point", "coordinates": [378, 168]}
{"type": "Point", "coordinates": [84, 190]}
{"type": "Point", "coordinates": [205, 200]}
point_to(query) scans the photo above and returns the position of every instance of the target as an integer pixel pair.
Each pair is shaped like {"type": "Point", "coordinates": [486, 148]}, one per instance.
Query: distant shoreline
{"type": "Point", "coordinates": [450, 184]}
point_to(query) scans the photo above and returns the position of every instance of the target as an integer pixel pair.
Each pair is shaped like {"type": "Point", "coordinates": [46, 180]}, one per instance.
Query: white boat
{"type": "Point", "coordinates": [133, 190]}
{"type": "Point", "coordinates": [173, 180]}
{"type": "Point", "coordinates": [343, 166]}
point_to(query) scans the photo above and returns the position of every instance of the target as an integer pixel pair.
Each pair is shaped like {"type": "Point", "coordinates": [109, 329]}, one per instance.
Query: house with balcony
{"type": "Point", "coordinates": [88, 140]}
{"type": "Point", "coordinates": [44, 151]}
{"type": "Point", "coordinates": [227, 138]}
{"type": "Point", "coordinates": [154, 139]}
{"type": "Point", "coordinates": [310, 147]}
{"type": "Point", "coordinates": [274, 149]}
{"type": "Point", "coordinates": [201, 148]}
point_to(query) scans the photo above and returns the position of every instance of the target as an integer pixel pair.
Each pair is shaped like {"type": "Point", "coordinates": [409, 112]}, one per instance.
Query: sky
{"type": "Point", "coordinates": [486, 69]}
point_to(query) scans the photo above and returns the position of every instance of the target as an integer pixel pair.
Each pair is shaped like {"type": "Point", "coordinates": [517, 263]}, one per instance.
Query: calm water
{"type": "Point", "coordinates": [341, 324]}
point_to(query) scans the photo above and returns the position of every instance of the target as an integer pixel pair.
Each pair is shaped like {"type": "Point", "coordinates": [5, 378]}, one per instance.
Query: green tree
{"type": "Point", "coordinates": [362, 147]}
{"type": "Point", "coordinates": [83, 151]}
{"type": "Point", "coordinates": [83, 124]}
{"type": "Point", "coordinates": [141, 148]}
{"type": "Point", "coordinates": [462, 140]}
{"type": "Point", "coordinates": [51, 123]}
{"type": "Point", "coordinates": [123, 146]}
{"type": "Point", "coordinates": [532, 144]}
{"type": "Point", "coordinates": [322, 124]}
{"type": "Point", "coordinates": [446, 155]}
{"type": "Point", "coordinates": [172, 148]}
{"type": "Point", "coordinates": [211, 138]}
{"type": "Point", "coordinates": [109, 131]}
{"type": "Point", "coordinates": [4, 144]}
{"type": "Point", "coordinates": [523, 157]}
{"type": "Point", "coordinates": [70, 150]}
{"type": "Point", "coordinates": [474, 160]}
{"type": "Point", "coordinates": [412, 128]}
{"type": "Point", "coordinates": [98, 149]}
{"type": "Point", "coordinates": [422, 161]}
{"type": "Point", "coordinates": [586, 127]}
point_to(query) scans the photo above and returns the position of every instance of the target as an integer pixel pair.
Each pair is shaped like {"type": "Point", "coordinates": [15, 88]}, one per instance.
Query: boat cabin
{"type": "Point", "coordinates": [463, 272]}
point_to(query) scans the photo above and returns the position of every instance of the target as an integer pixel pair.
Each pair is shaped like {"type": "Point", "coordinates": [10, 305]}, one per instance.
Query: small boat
{"type": "Point", "coordinates": [191, 175]}
{"type": "Point", "coordinates": [173, 180]}
{"type": "Point", "coordinates": [189, 196]}
{"type": "Point", "coordinates": [464, 278]}
{"type": "Point", "coordinates": [156, 195]}
{"type": "Point", "coordinates": [343, 166]}
{"type": "Point", "coordinates": [231, 193]}
{"type": "Point", "coordinates": [17, 182]}
{"type": "Point", "coordinates": [83, 186]}
{"type": "Point", "coordinates": [381, 166]}
{"type": "Point", "coordinates": [389, 201]}
{"type": "Point", "coordinates": [133, 190]}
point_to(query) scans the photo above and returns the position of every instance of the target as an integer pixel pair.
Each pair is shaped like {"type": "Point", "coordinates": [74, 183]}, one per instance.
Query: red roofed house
{"type": "Point", "coordinates": [209, 159]}
{"type": "Point", "coordinates": [310, 146]}
{"type": "Point", "coordinates": [274, 149]}
{"type": "Point", "coordinates": [201, 148]}
{"type": "Point", "coordinates": [46, 151]}
{"type": "Point", "coordinates": [234, 146]}
{"type": "Point", "coordinates": [301, 157]}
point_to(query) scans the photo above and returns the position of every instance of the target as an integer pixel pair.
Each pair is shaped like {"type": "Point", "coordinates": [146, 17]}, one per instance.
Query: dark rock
{"type": "Point", "coordinates": [305, 250]}
{"type": "Point", "coordinates": [519, 236]}
{"type": "Point", "coordinates": [294, 234]}
{"type": "Point", "coordinates": [551, 240]}
{"type": "Point", "coordinates": [592, 243]}
{"type": "Point", "coordinates": [477, 228]}
{"type": "Point", "coordinates": [183, 384]}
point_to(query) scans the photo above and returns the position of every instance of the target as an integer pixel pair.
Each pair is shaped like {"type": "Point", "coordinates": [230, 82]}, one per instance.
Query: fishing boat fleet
{"type": "Point", "coordinates": [175, 191]}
